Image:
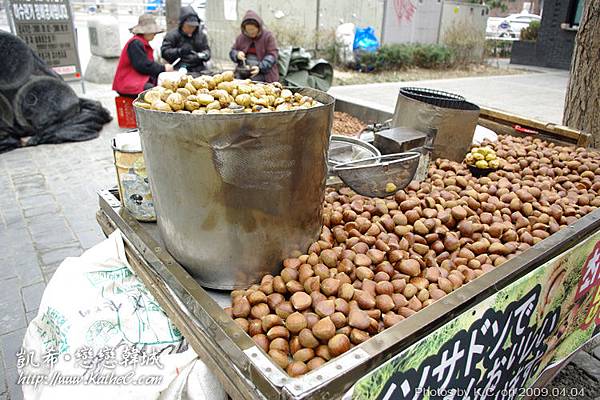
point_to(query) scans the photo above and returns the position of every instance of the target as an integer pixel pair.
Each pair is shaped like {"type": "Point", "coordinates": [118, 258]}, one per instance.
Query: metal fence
{"type": "Point", "coordinates": [4, 19]}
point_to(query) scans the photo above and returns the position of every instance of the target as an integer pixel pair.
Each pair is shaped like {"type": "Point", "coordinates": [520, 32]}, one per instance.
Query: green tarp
{"type": "Point", "coordinates": [298, 69]}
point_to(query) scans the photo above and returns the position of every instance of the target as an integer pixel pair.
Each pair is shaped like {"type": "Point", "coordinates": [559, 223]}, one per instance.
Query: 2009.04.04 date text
{"type": "Point", "coordinates": [517, 392]}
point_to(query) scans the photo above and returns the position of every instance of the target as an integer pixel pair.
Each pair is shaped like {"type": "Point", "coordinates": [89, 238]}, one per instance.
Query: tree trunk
{"type": "Point", "coordinates": [582, 102]}
{"type": "Point", "coordinates": [173, 9]}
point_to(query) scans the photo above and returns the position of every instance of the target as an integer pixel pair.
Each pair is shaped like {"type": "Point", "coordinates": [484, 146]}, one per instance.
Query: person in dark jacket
{"type": "Point", "coordinates": [188, 42]}
{"type": "Point", "coordinates": [137, 71]}
{"type": "Point", "coordinates": [257, 47]}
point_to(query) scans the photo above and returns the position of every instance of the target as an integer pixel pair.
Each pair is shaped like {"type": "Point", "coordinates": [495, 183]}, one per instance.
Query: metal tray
{"type": "Point", "coordinates": [245, 370]}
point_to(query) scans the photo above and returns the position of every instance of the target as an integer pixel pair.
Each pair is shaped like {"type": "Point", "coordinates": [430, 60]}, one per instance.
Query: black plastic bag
{"type": "Point", "coordinates": [85, 125]}
{"type": "Point", "coordinates": [38, 105]}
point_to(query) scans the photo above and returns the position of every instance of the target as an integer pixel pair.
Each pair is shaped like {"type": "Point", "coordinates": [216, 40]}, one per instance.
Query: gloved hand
{"type": "Point", "coordinates": [185, 50]}
{"type": "Point", "coordinates": [203, 56]}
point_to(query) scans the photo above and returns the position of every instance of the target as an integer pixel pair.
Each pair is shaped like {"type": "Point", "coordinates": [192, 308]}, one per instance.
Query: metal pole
{"type": "Point", "coordinates": [317, 25]}
{"type": "Point", "coordinates": [173, 9]}
{"type": "Point", "coordinates": [9, 17]}
{"type": "Point", "coordinates": [384, 21]}
{"type": "Point", "coordinates": [72, 16]}
{"type": "Point", "coordinates": [439, 35]}
{"type": "Point", "coordinates": [113, 8]}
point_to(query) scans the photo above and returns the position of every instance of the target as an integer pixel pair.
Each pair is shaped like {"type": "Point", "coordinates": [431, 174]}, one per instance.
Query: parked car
{"type": "Point", "coordinates": [197, 4]}
{"type": "Point", "coordinates": [511, 26]}
{"type": "Point", "coordinates": [492, 26]}
{"type": "Point", "coordinates": [155, 6]}
{"type": "Point", "coordinates": [158, 6]}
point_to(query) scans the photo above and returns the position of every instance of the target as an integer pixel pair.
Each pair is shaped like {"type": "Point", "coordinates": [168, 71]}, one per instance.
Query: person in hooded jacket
{"type": "Point", "coordinates": [137, 70]}
{"type": "Point", "coordinates": [188, 42]}
{"type": "Point", "coordinates": [257, 48]}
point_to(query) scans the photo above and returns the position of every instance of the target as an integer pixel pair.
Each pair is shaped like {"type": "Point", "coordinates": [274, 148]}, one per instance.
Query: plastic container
{"type": "Point", "coordinates": [125, 113]}
{"type": "Point", "coordinates": [134, 188]}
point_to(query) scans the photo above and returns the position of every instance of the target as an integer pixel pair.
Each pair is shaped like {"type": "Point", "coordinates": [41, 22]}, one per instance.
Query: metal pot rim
{"type": "Point", "coordinates": [325, 100]}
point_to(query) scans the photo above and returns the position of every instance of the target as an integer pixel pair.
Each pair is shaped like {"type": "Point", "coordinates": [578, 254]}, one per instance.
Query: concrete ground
{"type": "Point", "coordinates": [47, 212]}
{"type": "Point", "coordinates": [48, 205]}
{"type": "Point", "coordinates": [539, 95]}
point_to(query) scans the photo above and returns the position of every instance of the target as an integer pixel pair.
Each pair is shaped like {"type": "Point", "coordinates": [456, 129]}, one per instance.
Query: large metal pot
{"type": "Point", "coordinates": [237, 193]}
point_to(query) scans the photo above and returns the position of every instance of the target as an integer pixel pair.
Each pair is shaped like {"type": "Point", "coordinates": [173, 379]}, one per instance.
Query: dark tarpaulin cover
{"type": "Point", "coordinates": [43, 108]}
{"type": "Point", "coordinates": [85, 125]}
{"type": "Point", "coordinates": [298, 69]}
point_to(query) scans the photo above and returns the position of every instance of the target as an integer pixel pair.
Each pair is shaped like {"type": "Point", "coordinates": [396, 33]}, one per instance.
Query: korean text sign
{"type": "Point", "coordinates": [501, 346]}
{"type": "Point", "coordinates": [47, 27]}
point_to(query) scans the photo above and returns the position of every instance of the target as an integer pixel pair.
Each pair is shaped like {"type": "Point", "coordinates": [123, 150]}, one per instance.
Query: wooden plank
{"type": "Point", "coordinates": [505, 118]}
{"type": "Point", "coordinates": [584, 140]}
{"type": "Point", "coordinates": [502, 129]}
{"type": "Point", "coordinates": [497, 127]}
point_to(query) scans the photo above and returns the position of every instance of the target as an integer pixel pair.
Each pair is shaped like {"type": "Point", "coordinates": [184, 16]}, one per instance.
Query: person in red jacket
{"type": "Point", "coordinates": [257, 47]}
{"type": "Point", "coordinates": [137, 70]}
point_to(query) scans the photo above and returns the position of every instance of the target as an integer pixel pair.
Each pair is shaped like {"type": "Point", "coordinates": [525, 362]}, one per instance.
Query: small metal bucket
{"type": "Point", "coordinates": [134, 188]}
{"type": "Point", "coordinates": [454, 118]}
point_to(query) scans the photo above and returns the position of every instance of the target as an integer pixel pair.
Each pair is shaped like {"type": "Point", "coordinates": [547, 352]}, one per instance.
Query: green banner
{"type": "Point", "coordinates": [499, 348]}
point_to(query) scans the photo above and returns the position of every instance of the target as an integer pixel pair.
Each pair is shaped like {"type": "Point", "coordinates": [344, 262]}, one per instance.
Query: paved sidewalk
{"type": "Point", "coordinates": [538, 95]}
{"type": "Point", "coordinates": [47, 212]}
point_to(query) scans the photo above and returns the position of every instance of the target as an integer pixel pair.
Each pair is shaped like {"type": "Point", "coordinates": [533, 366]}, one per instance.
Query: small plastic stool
{"type": "Point", "coordinates": [125, 113]}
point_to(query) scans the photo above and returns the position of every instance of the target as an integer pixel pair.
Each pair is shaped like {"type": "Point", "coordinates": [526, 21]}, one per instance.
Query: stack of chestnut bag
{"type": "Point", "coordinates": [36, 104]}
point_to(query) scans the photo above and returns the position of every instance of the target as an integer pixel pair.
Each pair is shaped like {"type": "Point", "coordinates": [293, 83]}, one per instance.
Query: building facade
{"type": "Point", "coordinates": [516, 6]}
{"type": "Point", "coordinates": [556, 38]}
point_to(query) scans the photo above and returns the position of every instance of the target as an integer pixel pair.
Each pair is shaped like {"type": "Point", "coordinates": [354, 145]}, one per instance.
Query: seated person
{"type": "Point", "coordinates": [188, 42]}
{"type": "Point", "coordinates": [137, 71]}
{"type": "Point", "coordinates": [256, 46]}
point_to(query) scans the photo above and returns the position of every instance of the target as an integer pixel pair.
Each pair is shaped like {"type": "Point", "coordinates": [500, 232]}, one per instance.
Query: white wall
{"type": "Point", "coordinates": [419, 26]}
{"type": "Point", "coordinates": [429, 20]}
{"type": "Point", "coordinates": [473, 14]}
{"type": "Point", "coordinates": [298, 15]}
